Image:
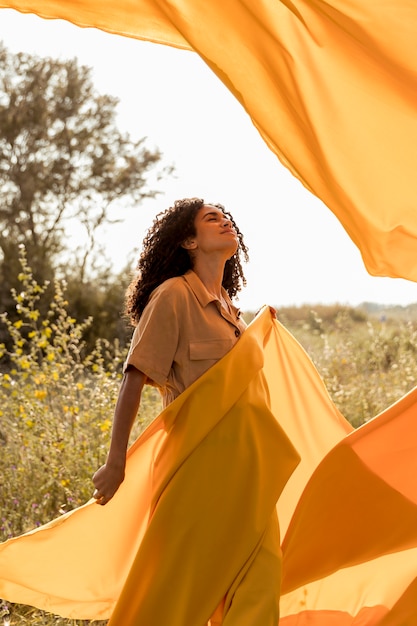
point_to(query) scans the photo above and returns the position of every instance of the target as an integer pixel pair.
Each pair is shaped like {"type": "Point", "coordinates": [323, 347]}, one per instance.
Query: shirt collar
{"type": "Point", "coordinates": [198, 287]}
{"type": "Point", "coordinates": [201, 293]}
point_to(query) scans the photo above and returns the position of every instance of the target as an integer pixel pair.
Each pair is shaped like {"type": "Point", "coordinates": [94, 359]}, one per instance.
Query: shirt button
{"type": "Point", "coordinates": [237, 332]}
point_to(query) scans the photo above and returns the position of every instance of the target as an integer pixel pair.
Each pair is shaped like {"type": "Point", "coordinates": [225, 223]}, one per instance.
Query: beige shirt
{"type": "Point", "coordinates": [182, 332]}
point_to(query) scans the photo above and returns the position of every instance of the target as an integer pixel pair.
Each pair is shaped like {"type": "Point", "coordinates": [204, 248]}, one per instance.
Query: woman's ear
{"type": "Point", "coordinates": [189, 244]}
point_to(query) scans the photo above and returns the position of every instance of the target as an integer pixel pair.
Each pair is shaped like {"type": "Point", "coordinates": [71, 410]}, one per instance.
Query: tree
{"type": "Point", "coordinates": [62, 161]}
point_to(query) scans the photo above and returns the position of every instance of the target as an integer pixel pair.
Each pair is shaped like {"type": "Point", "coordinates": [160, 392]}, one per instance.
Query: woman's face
{"type": "Point", "coordinates": [214, 233]}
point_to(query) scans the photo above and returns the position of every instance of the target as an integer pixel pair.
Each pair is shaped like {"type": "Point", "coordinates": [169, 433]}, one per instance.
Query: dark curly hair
{"type": "Point", "coordinates": [164, 257]}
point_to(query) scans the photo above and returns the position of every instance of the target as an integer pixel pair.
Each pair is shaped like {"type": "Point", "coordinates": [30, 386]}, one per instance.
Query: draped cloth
{"type": "Point", "coordinates": [330, 85]}
{"type": "Point", "coordinates": [190, 518]}
{"type": "Point", "coordinates": [185, 528]}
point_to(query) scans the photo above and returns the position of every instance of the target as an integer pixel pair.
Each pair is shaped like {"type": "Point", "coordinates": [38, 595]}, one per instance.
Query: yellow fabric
{"type": "Point", "coordinates": [192, 522]}
{"type": "Point", "coordinates": [331, 86]}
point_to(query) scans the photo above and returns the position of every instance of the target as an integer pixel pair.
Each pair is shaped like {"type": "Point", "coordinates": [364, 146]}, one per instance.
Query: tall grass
{"type": "Point", "coordinates": [367, 363]}
{"type": "Point", "coordinates": [56, 405]}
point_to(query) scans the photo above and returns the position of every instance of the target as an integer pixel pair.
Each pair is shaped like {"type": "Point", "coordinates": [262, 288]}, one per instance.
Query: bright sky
{"type": "Point", "coordinates": [299, 252]}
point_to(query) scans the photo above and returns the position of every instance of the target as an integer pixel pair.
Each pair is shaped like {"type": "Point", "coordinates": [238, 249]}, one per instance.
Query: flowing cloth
{"type": "Point", "coordinates": [330, 85]}
{"type": "Point", "coordinates": [187, 524]}
{"type": "Point", "coordinates": [348, 508]}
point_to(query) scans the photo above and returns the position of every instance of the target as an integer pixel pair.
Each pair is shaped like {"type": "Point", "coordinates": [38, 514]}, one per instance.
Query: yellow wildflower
{"type": "Point", "coordinates": [105, 426]}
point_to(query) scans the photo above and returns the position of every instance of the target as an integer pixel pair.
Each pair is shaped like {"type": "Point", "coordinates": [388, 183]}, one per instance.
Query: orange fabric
{"type": "Point", "coordinates": [356, 524]}
{"type": "Point", "coordinates": [331, 86]}
{"type": "Point", "coordinates": [348, 510]}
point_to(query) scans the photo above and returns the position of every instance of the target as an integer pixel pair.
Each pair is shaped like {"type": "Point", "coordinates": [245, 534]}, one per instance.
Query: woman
{"type": "Point", "coordinates": [189, 532]}
{"type": "Point", "coordinates": [185, 321]}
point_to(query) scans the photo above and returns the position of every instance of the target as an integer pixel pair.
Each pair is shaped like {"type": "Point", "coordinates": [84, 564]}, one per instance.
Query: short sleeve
{"type": "Point", "coordinates": [155, 340]}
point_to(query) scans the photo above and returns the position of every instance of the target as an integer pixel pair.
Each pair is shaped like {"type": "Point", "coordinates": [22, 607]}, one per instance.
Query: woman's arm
{"type": "Point", "coordinates": [110, 476]}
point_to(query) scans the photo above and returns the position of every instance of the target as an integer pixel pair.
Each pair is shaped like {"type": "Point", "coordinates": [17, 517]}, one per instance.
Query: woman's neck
{"type": "Point", "coordinates": [211, 275]}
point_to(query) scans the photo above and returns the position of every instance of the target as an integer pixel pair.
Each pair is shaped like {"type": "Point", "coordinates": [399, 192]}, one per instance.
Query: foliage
{"type": "Point", "coordinates": [366, 363]}
{"type": "Point", "coordinates": [102, 300]}
{"type": "Point", "coordinates": [66, 171]}
{"type": "Point", "coordinates": [15, 615]}
{"type": "Point", "coordinates": [56, 409]}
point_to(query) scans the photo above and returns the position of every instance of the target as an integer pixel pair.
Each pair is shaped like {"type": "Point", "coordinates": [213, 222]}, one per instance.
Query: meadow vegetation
{"type": "Point", "coordinates": [57, 399]}
{"type": "Point", "coordinates": [367, 362]}
{"type": "Point", "coordinates": [56, 402]}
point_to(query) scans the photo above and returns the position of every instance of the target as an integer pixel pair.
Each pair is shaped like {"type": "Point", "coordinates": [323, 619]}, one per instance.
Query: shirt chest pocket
{"type": "Point", "coordinates": [209, 350]}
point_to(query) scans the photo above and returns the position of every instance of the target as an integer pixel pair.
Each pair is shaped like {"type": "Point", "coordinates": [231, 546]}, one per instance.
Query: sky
{"type": "Point", "coordinates": [299, 252]}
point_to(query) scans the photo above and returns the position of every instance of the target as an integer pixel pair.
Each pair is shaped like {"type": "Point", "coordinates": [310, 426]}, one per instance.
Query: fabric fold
{"type": "Point", "coordinates": [258, 428]}
{"type": "Point", "coordinates": [355, 526]}
{"type": "Point", "coordinates": [215, 457]}
{"type": "Point", "coordinates": [330, 86]}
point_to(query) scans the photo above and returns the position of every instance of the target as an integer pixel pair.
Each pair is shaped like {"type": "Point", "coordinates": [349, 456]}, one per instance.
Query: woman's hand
{"type": "Point", "coordinates": [107, 480]}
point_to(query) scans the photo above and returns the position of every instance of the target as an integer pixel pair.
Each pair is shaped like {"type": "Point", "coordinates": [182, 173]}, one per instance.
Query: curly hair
{"type": "Point", "coordinates": [164, 257]}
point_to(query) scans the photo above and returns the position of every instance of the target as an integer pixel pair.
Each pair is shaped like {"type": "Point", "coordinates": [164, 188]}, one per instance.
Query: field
{"type": "Point", "coordinates": [367, 361]}
{"type": "Point", "coordinates": [57, 401]}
